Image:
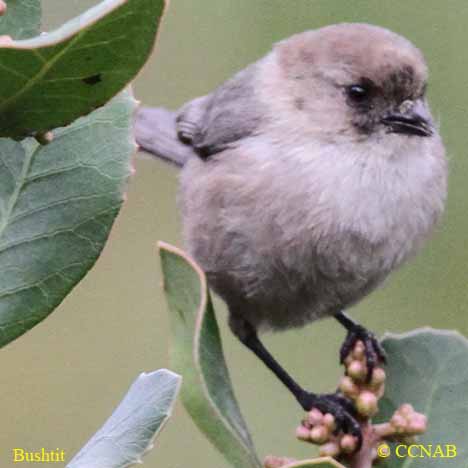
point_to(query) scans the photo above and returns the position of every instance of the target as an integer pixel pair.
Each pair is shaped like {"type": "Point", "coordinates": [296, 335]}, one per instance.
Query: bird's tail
{"type": "Point", "coordinates": [155, 132]}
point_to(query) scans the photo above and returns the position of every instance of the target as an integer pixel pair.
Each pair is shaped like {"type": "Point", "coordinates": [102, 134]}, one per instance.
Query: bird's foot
{"type": "Point", "coordinates": [372, 349]}
{"type": "Point", "coordinates": [340, 407]}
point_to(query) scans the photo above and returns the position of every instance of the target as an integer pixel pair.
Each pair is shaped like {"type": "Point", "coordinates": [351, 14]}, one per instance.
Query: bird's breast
{"type": "Point", "coordinates": [311, 229]}
{"type": "Point", "coordinates": [365, 208]}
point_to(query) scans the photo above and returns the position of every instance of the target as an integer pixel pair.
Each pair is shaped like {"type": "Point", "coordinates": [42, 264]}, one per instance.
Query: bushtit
{"type": "Point", "coordinates": [307, 178]}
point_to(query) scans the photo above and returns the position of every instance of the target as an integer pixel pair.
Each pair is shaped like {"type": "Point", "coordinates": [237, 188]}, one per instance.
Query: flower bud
{"type": "Point", "coordinates": [330, 449]}
{"type": "Point", "coordinates": [357, 370]}
{"type": "Point", "coordinates": [319, 434]}
{"type": "Point", "coordinates": [417, 424]}
{"type": "Point", "coordinates": [366, 403]}
{"type": "Point", "coordinates": [348, 443]}
{"type": "Point", "coordinates": [406, 409]}
{"type": "Point", "coordinates": [302, 433]}
{"type": "Point", "coordinates": [348, 387]}
{"type": "Point", "coordinates": [315, 417]}
{"type": "Point", "coordinates": [329, 422]}
{"type": "Point", "coordinates": [398, 422]}
{"type": "Point", "coordinates": [378, 377]}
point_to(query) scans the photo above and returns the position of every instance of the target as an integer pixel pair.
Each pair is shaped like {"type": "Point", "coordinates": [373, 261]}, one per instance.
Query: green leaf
{"type": "Point", "coordinates": [428, 368]}
{"type": "Point", "coordinates": [197, 354]}
{"type": "Point", "coordinates": [53, 79]}
{"type": "Point", "coordinates": [129, 433]}
{"type": "Point", "coordinates": [323, 462]}
{"type": "Point", "coordinates": [57, 205]}
{"type": "Point", "coordinates": [23, 19]}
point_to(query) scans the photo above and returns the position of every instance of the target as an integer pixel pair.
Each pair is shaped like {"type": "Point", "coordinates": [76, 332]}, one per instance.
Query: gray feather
{"type": "Point", "coordinates": [155, 132]}
{"type": "Point", "coordinates": [221, 119]}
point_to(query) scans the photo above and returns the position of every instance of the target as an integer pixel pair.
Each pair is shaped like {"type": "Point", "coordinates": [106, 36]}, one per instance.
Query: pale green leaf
{"type": "Point", "coordinates": [197, 354]}
{"type": "Point", "coordinates": [52, 79]}
{"type": "Point", "coordinates": [57, 205]}
{"type": "Point", "coordinates": [129, 433]}
{"type": "Point", "coordinates": [428, 368]}
{"type": "Point", "coordinates": [23, 19]}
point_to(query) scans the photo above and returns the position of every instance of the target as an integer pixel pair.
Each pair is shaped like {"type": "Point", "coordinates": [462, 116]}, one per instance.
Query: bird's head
{"type": "Point", "coordinates": [355, 81]}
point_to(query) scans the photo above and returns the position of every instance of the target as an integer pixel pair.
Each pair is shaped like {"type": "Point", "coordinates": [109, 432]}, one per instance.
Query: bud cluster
{"type": "Point", "coordinates": [365, 393]}
{"type": "Point", "coordinates": [405, 424]}
{"type": "Point", "coordinates": [319, 428]}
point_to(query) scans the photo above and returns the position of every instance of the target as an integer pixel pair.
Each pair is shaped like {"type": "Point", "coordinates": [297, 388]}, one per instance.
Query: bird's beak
{"type": "Point", "coordinates": [411, 118]}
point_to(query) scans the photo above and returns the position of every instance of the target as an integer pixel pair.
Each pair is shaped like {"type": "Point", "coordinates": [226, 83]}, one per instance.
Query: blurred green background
{"type": "Point", "coordinates": [62, 379]}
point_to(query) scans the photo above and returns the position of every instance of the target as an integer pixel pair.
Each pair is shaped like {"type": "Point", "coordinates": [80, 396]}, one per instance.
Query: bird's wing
{"type": "Point", "coordinates": [155, 132]}
{"type": "Point", "coordinates": [219, 120]}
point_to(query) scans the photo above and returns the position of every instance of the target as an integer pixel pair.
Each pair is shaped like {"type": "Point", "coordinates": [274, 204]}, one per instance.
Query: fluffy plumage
{"type": "Point", "coordinates": [307, 179]}
{"type": "Point", "coordinates": [298, 199]}
{"type": "Point", "coordinates": [300, 212]}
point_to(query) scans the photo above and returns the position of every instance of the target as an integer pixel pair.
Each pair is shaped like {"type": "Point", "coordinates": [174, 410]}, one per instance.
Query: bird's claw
{"type": "Point", "coordinates": [373, 350]}
{"type": "Point", "coordinates": [340, 407]}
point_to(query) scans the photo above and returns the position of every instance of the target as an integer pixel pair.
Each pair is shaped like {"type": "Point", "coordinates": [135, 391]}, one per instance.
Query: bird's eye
{"type": "Point", "coordinates": [358, 93]}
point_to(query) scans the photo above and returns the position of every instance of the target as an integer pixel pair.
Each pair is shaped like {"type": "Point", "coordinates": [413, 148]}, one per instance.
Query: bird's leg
{"type": "Point", "coordinates": [336, 404]}
{"type": "Point", "coordinates": [375, 354]}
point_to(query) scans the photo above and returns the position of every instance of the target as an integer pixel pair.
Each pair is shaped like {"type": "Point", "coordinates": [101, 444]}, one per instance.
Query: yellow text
{"type": "Point", "coordinates": [40, 456]}
{"type": "Point", "coordinates": [426, 451]}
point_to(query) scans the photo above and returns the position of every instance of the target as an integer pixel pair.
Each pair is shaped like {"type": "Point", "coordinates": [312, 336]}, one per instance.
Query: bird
{"type": "Point", "coordinates": [306, 179]}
